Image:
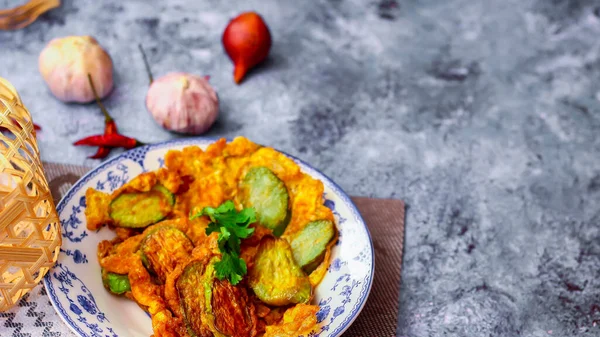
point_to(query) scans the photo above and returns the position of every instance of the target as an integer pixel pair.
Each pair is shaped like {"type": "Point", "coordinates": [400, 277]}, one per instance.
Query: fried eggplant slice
{"type": "Point", "coordinates": [309, 245]}
{"type": "Point", "coordinates": [163, 249]}
{"type": "Point", "coordinates": [262, 190]}
{"type": "Point", "coordinates": [233, 311]}
{"type": "Point", "coordinates": [276, 278]}
{"type": "Point", "coordinates": [192, 297]}
{"type": "Point", "coordinates": [214, 307]}
{"type": "Point", "coordinates": [117, 284]}
{"type": "Point", "coordinates": [142, 209]}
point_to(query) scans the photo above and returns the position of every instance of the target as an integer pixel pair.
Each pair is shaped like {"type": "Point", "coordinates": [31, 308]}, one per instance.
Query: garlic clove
{"type": "Point", "coordinates": [183, 103]}
{"type": "Point", "coordinates": [65, 64]}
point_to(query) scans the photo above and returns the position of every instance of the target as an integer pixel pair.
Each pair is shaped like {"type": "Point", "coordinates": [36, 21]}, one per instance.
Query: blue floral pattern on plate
{"type": "Point", "coordinates": [82, 304]}
{"type": "Point", "coordinates": [75, 287]}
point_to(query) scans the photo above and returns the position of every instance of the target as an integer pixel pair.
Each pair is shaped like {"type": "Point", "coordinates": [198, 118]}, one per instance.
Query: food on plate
{"type": "Point", "coordinates": [276, 278]}
{"type": "Point", "coordinates": [212, 306]}
{"type": "Point", "coordinates": [190, 288]}
{"type": "Point", "coordinates": [295, 322]}
{"type": "Point", "coordinates": [117, 284]}
{"type": "Point", "coordinates": [163, 249]}
{"type": "Point", "coordinates": [230, 241]}
{"type": "Point", "coordinates": [310, 244]}
{"type": "Point", "coordinates": [267, 194]}
{"type": "Point", "coordinates": [140, 209]}
{"type": "Point", "coordinates": [96, 211]}
{"type": "Point", "coordinates": [232, 226]}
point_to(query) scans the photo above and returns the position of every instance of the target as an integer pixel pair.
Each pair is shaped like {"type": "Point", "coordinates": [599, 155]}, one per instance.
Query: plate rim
{"type": "Point", "coordinates": [207, 141]}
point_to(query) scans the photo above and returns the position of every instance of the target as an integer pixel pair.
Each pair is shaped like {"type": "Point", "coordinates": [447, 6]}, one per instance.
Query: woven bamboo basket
{"type": "Point", "coordinates": [29, 227]}
{"type": "Point", "coordinates": [24, 15]}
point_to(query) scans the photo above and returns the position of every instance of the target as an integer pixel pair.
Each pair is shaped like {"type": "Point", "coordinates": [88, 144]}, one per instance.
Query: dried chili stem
{"type": "Point", "coordinates": [146, 64]}
{"type": "Point", "coordinates": [107, 117]}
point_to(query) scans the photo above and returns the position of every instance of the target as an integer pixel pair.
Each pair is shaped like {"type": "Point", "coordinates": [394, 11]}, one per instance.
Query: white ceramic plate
{"type": "Point", "coordinates": [75, 287]}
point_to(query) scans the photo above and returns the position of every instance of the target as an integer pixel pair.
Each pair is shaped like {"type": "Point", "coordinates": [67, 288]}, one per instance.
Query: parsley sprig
{"type": "Point", "coordinates": [232, 227]}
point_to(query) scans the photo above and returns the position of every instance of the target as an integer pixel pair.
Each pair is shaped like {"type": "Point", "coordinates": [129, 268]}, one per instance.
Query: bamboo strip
{"type": "Point", "coordinates": [19, 254]}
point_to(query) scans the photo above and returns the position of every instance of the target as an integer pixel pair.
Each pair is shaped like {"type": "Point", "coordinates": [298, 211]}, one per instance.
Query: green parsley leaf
{"type": "Point", "coordinates": [232, 227]}
{"type": "Point", "coordinates": [231, 267]}
{"type": "Point", "coordinates": [212, 227]}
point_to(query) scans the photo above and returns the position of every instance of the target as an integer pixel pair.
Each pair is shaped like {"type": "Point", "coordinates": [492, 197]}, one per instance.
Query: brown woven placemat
{"type": "Point", "coordinates": [385, 219]}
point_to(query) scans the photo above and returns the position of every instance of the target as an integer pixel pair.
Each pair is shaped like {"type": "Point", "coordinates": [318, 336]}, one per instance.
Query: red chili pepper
{"type": "Point", "coordinates": [114, 140]}
{"type": "Point", "coordinates": [110, 127]}
{"type": "Point", "coordinates": [102, 153]}
{"type": "Point", "coordinates": [111, 137]}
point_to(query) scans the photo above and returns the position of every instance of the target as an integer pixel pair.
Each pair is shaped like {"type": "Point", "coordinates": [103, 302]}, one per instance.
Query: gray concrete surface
{"type": "Point", "coordinates": [483, 115]}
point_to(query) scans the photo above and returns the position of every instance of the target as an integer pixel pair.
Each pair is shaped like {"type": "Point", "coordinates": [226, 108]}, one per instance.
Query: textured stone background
{"type": "Point", "coordinates": [483, 115]}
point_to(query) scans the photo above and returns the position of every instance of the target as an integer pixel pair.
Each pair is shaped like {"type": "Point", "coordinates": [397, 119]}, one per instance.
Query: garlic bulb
{"type": "Point", "coordinates": [183, 103]}
{"type": "Point", "coordinates": [65, 64]}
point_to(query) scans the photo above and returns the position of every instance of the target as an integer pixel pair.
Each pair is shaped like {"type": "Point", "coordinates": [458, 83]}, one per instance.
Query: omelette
{"type": "Point", "coordinates": [230, 241]}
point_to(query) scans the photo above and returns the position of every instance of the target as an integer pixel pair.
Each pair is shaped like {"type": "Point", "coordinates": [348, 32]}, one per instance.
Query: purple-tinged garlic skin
{"type": "Point", "coordinates": [183, 103]}
{"type": "Point", "coordinates": [65, 63]}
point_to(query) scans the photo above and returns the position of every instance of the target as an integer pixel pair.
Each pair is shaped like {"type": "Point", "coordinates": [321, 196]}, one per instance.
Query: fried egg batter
{"type": "Point", "coordinates": [200, 178]}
